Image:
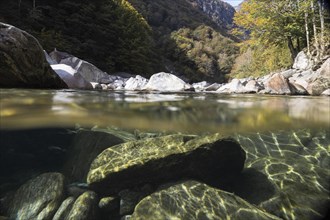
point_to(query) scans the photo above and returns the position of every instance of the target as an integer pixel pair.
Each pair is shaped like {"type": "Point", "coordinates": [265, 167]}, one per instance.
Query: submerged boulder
{"type": "Point", "coordinates": [172, 157]}
{"type": "Point", "coordinates": [194, 200]}
{"type": "Point", "coordinates": [85, 207]}
{"type": "Point", "coordinates": [23, 63]}
{"type": "Point", "coordinates": [39, 198]}
{"type": "Point", "coordinates": [166, 82]}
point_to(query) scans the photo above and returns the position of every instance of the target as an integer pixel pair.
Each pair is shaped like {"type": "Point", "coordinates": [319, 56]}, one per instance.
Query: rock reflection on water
{"type": "Point", "coordinates": [184, 112]}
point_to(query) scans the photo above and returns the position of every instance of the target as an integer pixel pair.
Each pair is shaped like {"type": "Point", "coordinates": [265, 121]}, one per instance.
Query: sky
{"type": "Point", "coordinates": [233, 2]}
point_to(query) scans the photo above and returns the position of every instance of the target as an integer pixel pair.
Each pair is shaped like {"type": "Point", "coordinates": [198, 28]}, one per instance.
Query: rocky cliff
{"type": "Point", "coordinates": [218, 11]}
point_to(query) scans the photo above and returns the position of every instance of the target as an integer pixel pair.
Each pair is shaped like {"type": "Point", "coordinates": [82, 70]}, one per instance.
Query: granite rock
{"type": "Point", "coordinates": [23, 63]}
{"type": "Point", "coordinates": [39, 198]}
{"type": "Point", "coordinates": [194, 200]}
{"type": "Point", "coordinates": [171, 157]}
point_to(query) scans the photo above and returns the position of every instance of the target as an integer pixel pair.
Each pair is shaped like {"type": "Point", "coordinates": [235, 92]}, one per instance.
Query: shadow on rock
{"type": "Point", "coordinates": [253, 186]}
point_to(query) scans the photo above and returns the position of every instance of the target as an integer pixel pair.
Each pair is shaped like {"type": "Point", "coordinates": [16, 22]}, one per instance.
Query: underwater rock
{"type": "Point", "coordinates": [194, 200]}
{"type": "Point", "coordinates": [108, 204]}
{"type": "Point", "coordinates": [23, 63]}
{"type": "Point", "coordinates": [129, 199]}
{"type": "Point", "coordinates": [85, 207]}
{"type": "Point", "coordinates": [171, 157]}
{"type": "Point", "coordinates": [85, 147]}
{"type": "Point", "coordinates": [64, 209]}
{"type": "Point", "coordinates": [39, 198]}
{"type": "Point", "coordinates": [295, 166]}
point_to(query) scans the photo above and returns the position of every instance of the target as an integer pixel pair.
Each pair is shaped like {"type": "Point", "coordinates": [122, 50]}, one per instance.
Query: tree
{"type": "Point", "coordinates": [295, 22]}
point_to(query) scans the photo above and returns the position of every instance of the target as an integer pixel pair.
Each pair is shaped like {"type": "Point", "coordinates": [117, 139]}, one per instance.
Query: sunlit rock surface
{"type": "Point", "coordinates": [85, 207]}
{"type": "Point", "coordinates": [22, 61]}
{"type": "Point", "coordinates": [302, 62]}
{"type": "Point", "coordinates": [39, 198]}
{"type": "Point", "coordinates": [166, 158]}
{"type": "Point", "coordinates": [278, 84]}
{"type": "Point", "coordinates": [194, 200]}
{"type": "Point", "coordinates": [71, 77]}
{"type": "Point", "coordinates": [296, 167]}
{"type": "Point", "coordinates": [321, 82]}
{"type": "Point", "coordinates": [64, 209]}
{"type": "Point", "coordinates": [135, 83]}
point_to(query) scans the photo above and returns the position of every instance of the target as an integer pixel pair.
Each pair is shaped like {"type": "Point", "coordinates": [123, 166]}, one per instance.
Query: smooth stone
{"type": "Point", "coordinates": [166, 82]}
{"type": "Point", "coordinates": [85, 69]}
{"type": "Point", "coordinates": [64, 209]}
{"type": "Point", "coordinates": [109, 204]}
{"type": "Point", "coordinates": [85, 207]}
{"type": "Point", "coordinates": [71, 77]}
{"type": "Point", "coordinates": [213, 87]}
{"type": "Point", "coordinates": [130, 198]}
{"type": "Point", "coordinates": [23, 63]}
{"type": "Point", "coordinates": [288, 73]}
{"type": "Point", "coordinates": [166, 158]}
{"type": "Point", "coordinates": [200, 86]}
{"type": "Point", "coordinates": [326, 92]}
{"type": "Point", "coordinates": [194, 200]}
{"type": "Point", "coordinates": [302, 62]}
{"type": "Point", "coordinates": [252, 86]}
{"type": "Point", "coordinates": [96, 86]}
{"type": "Point", "coordinates": [39, 198]}
{"type": "Point", "coordinates": [298, 89]}
{"type": "Point", "coordinates": [278, 85]}
{"type": "Point", "coordinates": [136, 83]}
{"type": "Point", "coordinates": [322, 81]}
{"type": "Point", "coordinates": [235, 86]}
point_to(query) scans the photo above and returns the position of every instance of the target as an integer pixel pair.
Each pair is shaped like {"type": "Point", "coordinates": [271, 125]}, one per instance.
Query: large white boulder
{"type": "Point", "coordinates": [166, 82]}
{"type": "Point", "coordinates": [87, 70]}
{"type": "Point", "coordinates": [135, 83]}
{"type": "Point", "coordinates": [235, 86]}
{"type": "Point", "coordinates": [302, 62]}
{"type": "Point", "coordinates": [71, 77]}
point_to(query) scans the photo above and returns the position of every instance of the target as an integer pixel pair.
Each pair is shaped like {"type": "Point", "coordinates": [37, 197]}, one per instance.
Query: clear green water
{"type": "Point", "coordinates": [185, 112]}
{"type": "Point", "coordinates": [286, 138]}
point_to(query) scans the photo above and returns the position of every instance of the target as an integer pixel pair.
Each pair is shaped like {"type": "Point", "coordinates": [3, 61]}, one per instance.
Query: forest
{"type": "Point", "coordinates": [275, 31]}
{"type": "Point", "coordinates": [148, 36]}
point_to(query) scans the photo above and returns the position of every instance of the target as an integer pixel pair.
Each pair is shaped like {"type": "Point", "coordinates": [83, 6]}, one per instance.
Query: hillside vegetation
{"type": "Point", "coordinates": [278, 30]}
{"type": "Point", "coordinates": [135, 36]}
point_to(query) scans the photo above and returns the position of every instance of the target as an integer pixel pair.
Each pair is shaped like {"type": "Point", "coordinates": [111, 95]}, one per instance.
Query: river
{"type": "Point", "coordinates": [286, 138]}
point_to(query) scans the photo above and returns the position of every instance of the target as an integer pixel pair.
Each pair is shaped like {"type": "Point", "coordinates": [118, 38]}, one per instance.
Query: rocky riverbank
{"type": "Point", "coordinates": [68, 71]}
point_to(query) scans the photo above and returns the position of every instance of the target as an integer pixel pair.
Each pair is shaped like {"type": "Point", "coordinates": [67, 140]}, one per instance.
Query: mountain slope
{"type": "Point", "coordinates": [186, 37]}
{"type": "Point", "coordinates": [190, 42]}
